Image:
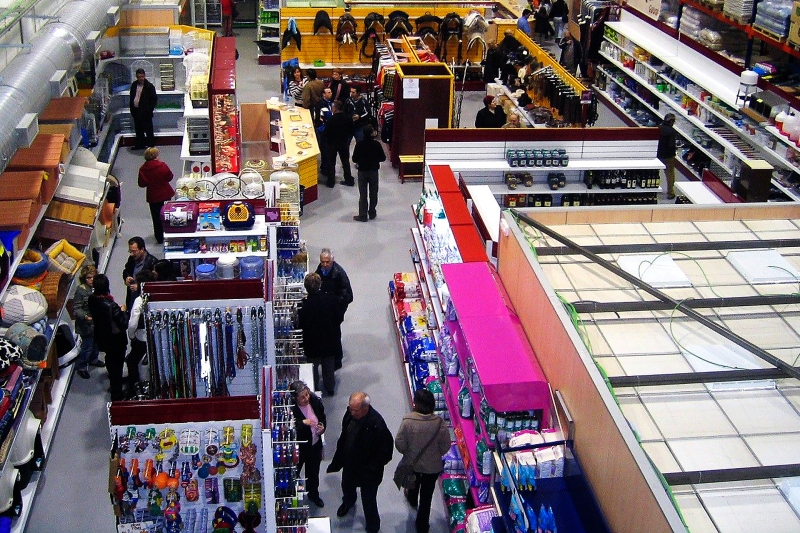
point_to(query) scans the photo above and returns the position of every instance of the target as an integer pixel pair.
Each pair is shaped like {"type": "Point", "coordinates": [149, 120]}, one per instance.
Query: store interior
{"type": "Point", "coordinates": [631, 330]}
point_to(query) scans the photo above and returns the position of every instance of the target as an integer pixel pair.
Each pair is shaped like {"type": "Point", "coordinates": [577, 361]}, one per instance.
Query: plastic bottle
{"type": "Point", "coordinates": [789, 124]}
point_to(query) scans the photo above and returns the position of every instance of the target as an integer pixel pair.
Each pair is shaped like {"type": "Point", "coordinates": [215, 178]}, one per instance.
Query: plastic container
{"type": "Point", "coordinates": [227, 267]}
{"type": "Point", "coordinates": [205, 271]}
{"type": "Point", "coordinates": [252, 267]}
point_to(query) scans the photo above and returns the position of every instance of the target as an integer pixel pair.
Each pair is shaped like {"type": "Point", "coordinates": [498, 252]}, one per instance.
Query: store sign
{"type": "Point", "coordinates": [651, 8]}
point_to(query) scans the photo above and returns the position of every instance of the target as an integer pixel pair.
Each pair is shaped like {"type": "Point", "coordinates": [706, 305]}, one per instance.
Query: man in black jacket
{"type": "Point", "coordinates": [335, 282]}
{"type": "Point", "coordinates": [358, 109]}
{"type": "Point", "coordinates": [363, 449]}
{"type": "Point", "coordinates": [139, 259]}
{"type": "Point", "coordinates": [143, 100]}
{"type": "Point", "coordinates": [110, 332]}
{"type": "Point", "coordinates": [666, 152]}
{"type": "Point", "coordinates": [338, 133]}
{"type": "Point", "coordinates": [368, 156]}
{"type": "Point", "coordinates": [320, 319]}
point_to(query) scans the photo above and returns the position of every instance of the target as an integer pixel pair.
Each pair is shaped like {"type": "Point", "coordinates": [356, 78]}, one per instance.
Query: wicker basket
{"type": "Point", "coordinates": [65, 258]}
{"type": "Point", "coordinates": [54, 289]}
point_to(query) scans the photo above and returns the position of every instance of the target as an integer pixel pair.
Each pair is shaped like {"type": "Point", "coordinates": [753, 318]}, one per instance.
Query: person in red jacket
{"type": "Point", "coordinates": [155, 176]}
{"type": "Point", "coordinates": [226, 6]}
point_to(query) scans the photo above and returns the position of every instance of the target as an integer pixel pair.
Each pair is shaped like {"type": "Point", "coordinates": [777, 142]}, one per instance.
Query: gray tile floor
{"type": "Point", "coordinates": [72, 494]}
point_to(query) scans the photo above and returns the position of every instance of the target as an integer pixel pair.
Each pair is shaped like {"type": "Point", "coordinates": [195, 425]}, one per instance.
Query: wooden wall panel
{"type": "Point", "coordinates": [148, 17]}
{"type": "Point", "coordinates": [625, 497]}
{"type": "Point", "coordinates": [255, 122]}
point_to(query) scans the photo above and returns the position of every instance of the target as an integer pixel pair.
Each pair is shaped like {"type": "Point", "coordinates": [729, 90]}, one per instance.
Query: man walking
{"type": "Point", "coordinates": [666, 151]}
{"type": "Point", "coordinates": [143, 100]}
{"type": "Point", "coordinates": [335, 282]}
{"type": "Point", "coordinates": [368, 156]}
{"type": "Point", "coordinates": [337, 136]}
{"type": "Point", "coordinates": [364, 447]}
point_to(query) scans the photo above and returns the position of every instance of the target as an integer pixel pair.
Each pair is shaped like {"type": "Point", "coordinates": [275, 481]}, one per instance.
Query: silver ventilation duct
{"type": "Point", "coordinates": [60, 45]}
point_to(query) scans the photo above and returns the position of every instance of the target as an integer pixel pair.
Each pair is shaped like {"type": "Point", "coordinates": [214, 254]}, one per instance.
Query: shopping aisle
{"type": "Point", "coordinates": [73, 493]}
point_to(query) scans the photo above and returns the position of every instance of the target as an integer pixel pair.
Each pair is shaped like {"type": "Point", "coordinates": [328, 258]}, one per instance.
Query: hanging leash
{"type": "Point", "coordinates": [222, 387]}
{"type": "Point", "coordinates": [255, 338]}
{"type": "Point", "coordinates": [230, 354]}
{"type": "Point", "coordinates": [241, 341]}
{"type": "Point", "coordinates": [206, 364]}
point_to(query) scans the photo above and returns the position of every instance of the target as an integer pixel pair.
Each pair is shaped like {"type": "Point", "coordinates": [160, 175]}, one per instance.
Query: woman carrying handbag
{"type": "Point", "coordinates": [423, 438]}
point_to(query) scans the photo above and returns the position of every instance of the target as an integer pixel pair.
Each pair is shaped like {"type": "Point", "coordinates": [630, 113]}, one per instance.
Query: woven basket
{"type": "Point", "coordinates": [64, 258]}
{"type": "Point", "coordinates": [54, 289]}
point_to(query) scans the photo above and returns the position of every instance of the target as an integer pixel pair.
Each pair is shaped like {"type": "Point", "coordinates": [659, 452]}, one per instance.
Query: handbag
{"type": "Point", "coordinates": [404, 476]}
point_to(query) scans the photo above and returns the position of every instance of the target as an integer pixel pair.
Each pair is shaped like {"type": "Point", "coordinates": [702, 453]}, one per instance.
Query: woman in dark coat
{"type": "Point", "coordinates": [491, 116]}
{"type": "Point", "coordinates": [320, 317]}
{"type": "Point", "coordinates": [309, 421]}
{"type": "Point", "coordinates": [110, 332]}
{"type": "Point", "coordinates": [155, 176]}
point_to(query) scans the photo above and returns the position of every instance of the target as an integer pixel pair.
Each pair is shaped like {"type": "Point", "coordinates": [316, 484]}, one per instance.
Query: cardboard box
{"type": "Point", "coordinates": [23, 186]}
{"type": "Point", "coordinates": [794, 26]}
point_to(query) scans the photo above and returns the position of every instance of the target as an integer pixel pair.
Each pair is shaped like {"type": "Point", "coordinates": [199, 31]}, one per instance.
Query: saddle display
{"type": "Point", "coordinates": [322, 20]}
{"type": "Point", "coordinates": [346, 29]}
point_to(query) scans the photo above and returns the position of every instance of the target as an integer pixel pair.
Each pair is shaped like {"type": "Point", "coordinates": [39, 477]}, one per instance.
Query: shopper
{"type": "Point", "coordinates": [523, 24]}
{"type": "Point", "coordinates": [666, 152]}
{"type": "Point", "coordinates": [559, 14]}
{"type": "Point", "coordinates": [513, 121]}
{"type": "Point", "coordinates": [155, 177]}
{"type": "Point", "coordinates": [226, 8]}
{"type": "Point", "coordinates": [357, 108]}
{"type": "Point", "coordinates": [164, 270]}
{"type": "Point", "coordinates": [363, 449]}
{"type": "Point", "coordinates": [110, 332]}
{"type": "Point", "coordinates": [492, 115]}
{"type": "Point", "coordinates": [320, 318]}
{"type": "Point", "coordinates": [542, 26]}
{"type": "Point", "coordinates": [320, 115]}
{"type": "Point", "coordinates": [571, 53]}
{"type": "Point", "coordinates": [338, 134]}
{"type": "Point", "coordinates": [339, 87]}
{"type": "Point", "coordinates": [143, 100]}
{"type": "Point", "coordinates": [368, 156]}
{"type": "Point", "coordinates": [139, 259]}
{"type": "Point", "coordinates": [309, 422]}
{"type": "Point", "coordinates": [423, 438]}
{"type": "Point", "coordinates": [335, 282]}
{"type": "Point", "coordinates": [312, 90]}
{"type": "Point", "coordinates": [295, 86]}
{"type": "Point", "coordinates": [136, 330]}
{"type": "Point", "coordinates": [89, 355]}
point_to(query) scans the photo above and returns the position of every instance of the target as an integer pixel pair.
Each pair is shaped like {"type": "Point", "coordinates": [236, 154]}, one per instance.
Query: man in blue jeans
{"type": "Point", "coordinates": [368, 156]}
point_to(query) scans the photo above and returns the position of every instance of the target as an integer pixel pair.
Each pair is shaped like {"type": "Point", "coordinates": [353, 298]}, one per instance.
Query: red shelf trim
{"type": "Point", "coordinates": [541, 134]}
{"type": "Point", "coordinates": [184, 410]}
{"type": "Point", "coordinates": [231, 289]}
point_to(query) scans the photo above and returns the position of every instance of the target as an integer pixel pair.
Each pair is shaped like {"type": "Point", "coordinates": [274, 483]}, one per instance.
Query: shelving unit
{"type": "Point", "coordinates": [480, 158]}
{"type": "Point", "coordinates": [709, 107]}
{"type": "Point", "coordinates": [269, 32]}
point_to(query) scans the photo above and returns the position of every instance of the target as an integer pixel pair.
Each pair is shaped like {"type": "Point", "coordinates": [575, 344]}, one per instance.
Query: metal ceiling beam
{"type": "Point", "coordinates": [688, 378]}
{"type": "Point", "coordinates": [696, 477]}
{"type": "Point", "coordinates": [700, 303]}
{"type": "Point", "coordinates": [646, 248]}
{"type": "Point", "coordinates": [679, 306]}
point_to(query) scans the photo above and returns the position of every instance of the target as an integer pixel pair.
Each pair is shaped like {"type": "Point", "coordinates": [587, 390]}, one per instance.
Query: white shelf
{"type": "Point", "coordinates": [185, 155]}
{"type": "Point", "coordinates": [679, 110]}
{"type": "Point", "coordinates": [697, 192]}
{"type": "Point", "coordinates": [682, 133]}
{"type": "Point", "coordinates": [424, 271]}
{"type": "Point", "coordinates": [716, 79]}
{"type": "Point", "coordinates": [570, 188]}
{"type": "Point", "coordinates": [574, 164]}
{"type": "Point", "coordinates": [488, 209]}
{"type": "Point", "coordinates": [213, 255]}
{"type": "Point", "coordinates": [59, 393]}
{"type": "Point", "coordinates": [261, 227]}
{"type": "Point", "coordinates": [189, 111]}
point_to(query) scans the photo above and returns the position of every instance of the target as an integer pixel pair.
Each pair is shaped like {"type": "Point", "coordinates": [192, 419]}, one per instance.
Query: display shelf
{"type": "Point", "coordinates": [185, 155]}
{"type": "Point", "coordinates": [574, 164]}
{"type": "Point", "coordinates": [426, 279]}
{"type": "Point", "coordinates": [715, 79]}
{"type": "Point", "coordinates": [680, 111]}
{"type": "Point", "coordinates": [211, 255]}
{"type": "Point", "coordinates": [20, 251]}
{"type": "Point", "coordinates": [499, 189]}
{"type": "Point", "coordinates": [261, 227]}
{"type": "Point", "coordinates": [59, 394]}
{"type": "Point", "coordinates": [633, 94]}
{"type": "Point", "coordinates": [697, 192]}
{"type": "Point", "coordinates": [467, 429]}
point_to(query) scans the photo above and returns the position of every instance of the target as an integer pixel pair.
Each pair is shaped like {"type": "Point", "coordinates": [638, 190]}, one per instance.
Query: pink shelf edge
{"type": "Point", "coordinates": [467, 426]}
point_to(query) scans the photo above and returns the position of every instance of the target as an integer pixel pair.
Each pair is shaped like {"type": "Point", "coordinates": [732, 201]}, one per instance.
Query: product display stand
{"type": "Point", "coordinates": [183, 465]}
{"type": "Point", "coordinates": [226, 142]}
{"type": "Point", "coordinates": [210, 347]}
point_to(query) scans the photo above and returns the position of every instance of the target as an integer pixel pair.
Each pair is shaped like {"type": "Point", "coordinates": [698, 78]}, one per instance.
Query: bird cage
{"type": "Point", "coordinates": [147, 66]}
{"type": "Point", "coordinates": [118, 76]}
{"type": "Point", "coordinates": [288, 190]}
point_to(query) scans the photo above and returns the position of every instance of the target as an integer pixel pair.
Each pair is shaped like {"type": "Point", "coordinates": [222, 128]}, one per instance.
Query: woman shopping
{"type": "Point", "coordinates": [309, 421]}
{"type": "Point", "coordinates": [154, 176]}
{"type": "Point", "coordinates": [84, 326]}
{"type": "Point", "coordinates": [423, 438]}
{"type": "Point", "coordinates": [110, 332]}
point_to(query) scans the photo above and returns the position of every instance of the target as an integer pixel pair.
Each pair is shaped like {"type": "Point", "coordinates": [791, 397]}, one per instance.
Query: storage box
{"type": "Point", "coordinates": [71, 133]}
{"type": "Point", "coordinates": [15, 216]}
{"type": "Point", "coordinates": [23, 186]}
{"type": "Point", "coordinates": [794, 25]}
{"type": "Point", "coordinates": [46, 153]}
